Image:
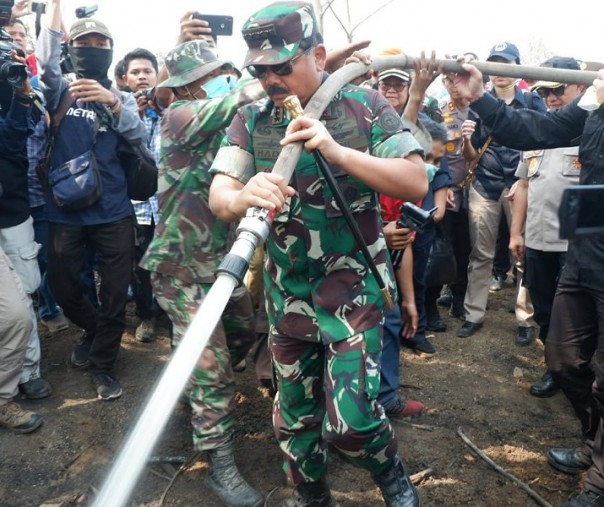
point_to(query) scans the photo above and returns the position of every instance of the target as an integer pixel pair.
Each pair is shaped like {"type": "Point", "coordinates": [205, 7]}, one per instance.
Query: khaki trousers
{"type": "Point", "coordinates": [15, 329]}
{"type": "Point", "coordinates": [484, 216]}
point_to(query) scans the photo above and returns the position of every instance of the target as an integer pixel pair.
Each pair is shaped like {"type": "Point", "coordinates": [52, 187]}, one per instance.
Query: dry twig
{"type": "Point", "coordinates": [183, 467]}
{"type": "Point", "coordinates": [420, 476]}
{"type": "Point", "coordinates": [535, 496]}
{"type": "Point", "coordinates": [423, 427]}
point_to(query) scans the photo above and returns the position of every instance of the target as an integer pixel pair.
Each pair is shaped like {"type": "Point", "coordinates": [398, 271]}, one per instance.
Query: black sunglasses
{"type": "Point", "coordinates": [556, 92]}
{"type": "Point", "coordinates": [281, 69]}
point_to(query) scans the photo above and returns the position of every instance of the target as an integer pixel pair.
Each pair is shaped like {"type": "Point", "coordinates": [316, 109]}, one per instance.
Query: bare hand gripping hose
{"type": "Point", "coordinates": [252, 231]}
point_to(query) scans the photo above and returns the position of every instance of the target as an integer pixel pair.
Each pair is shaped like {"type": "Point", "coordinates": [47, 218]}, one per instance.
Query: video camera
{"type": "Point", "coordinates": [10, 71]}
{"type": "Point", "coordinates": [66, 63]}
{"type": "Point", "coordinates": [413, 217]}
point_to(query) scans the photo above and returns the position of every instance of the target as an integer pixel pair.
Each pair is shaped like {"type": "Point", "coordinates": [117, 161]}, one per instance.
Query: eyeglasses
{"type": "Point", "coordinates": [395, 86]}
{"type": "Point", "coordinates": [556, 92]}
{"type": "Point", "coordinates": [281, 69]}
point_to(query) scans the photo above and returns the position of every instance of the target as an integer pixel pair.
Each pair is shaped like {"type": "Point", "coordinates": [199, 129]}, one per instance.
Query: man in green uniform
{"type": "Point", "coordinates": [188, 246]}
{"type": "Point", "coordinates": [325, 307]}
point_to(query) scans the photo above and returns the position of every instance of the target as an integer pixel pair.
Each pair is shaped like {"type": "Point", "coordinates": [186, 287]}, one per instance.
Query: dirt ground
{"type": "Point", "coordinates": [478, 384]}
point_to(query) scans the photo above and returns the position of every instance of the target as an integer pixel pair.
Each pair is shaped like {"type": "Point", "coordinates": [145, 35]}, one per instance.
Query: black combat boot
{"type": "Point", "coordinates": [226, 481]}
{"type": "Point", "coordinates": [396, 487]}
{"type": "Point", "coordinates": [311, 494]}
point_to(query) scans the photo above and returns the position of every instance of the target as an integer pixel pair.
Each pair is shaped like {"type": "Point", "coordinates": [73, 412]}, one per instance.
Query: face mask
{"type": "Point", "coordinates": [232, 82]}
{"type": "Point", "coordinates": [92, 63]}
{"type": "Point", "coordinates": [216, 87]}
{"type": "Point", "coordinates": [431, 170]}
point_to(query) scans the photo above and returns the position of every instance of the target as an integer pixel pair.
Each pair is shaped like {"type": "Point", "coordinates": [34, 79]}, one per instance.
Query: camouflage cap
{"type": "Point", "coordinates": [189, 62]}
{"type": "Point", "coordinates": [86, 26]}
{"type": "Point", "coordinates": [273, 34]}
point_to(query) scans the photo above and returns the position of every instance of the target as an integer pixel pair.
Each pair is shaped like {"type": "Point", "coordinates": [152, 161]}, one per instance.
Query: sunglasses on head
{"type": "Point", "coordinates": [281, 69]}
{"type": "Point", "coordinates": [556, 92]}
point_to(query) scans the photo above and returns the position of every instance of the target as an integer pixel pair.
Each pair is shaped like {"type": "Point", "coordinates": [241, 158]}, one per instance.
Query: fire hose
{"type": "Point", "coordinates": [252, 231]}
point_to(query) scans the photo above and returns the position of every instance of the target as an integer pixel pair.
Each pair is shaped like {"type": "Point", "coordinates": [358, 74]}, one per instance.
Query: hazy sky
{"type": "Point", "coordinates": [443, 26]}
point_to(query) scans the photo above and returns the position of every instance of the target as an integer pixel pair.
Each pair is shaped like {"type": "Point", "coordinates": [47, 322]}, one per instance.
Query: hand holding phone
{"type": "Point", "coordinates": [220, 25]}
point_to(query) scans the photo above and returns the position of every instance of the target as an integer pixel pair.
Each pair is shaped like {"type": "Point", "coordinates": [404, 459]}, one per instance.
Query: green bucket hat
{"type": "Point", "coordinates": [273, 34]}
{"type": "Point", "coordinates": [189, 62]}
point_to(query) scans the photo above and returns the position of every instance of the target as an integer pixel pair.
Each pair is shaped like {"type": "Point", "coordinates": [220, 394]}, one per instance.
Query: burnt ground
{"type": "Point", "coordinates": [478, 384]}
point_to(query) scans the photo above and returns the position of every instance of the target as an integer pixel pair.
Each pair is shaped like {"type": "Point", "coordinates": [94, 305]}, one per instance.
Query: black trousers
{"type": "Point", "coordinates": [146, 308]}
{"type": "Point", "coordinates": [574, 352]}
{"type": "Point", "coordinates": [113, 243]}
{"type": "Point", "coordinates": [541, 273]}
{"type": "Point", "coordinates": [457, 228]}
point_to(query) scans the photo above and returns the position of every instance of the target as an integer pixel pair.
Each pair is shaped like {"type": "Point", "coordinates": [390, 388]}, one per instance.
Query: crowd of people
{"type": "Point", "coordinates": [325, 318]}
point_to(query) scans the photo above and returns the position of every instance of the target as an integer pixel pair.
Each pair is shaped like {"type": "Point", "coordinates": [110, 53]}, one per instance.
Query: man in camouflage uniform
{"type": "Point", "coordinates": [188, 245]}
{"type": "Point", "coordinates": [324, 306]}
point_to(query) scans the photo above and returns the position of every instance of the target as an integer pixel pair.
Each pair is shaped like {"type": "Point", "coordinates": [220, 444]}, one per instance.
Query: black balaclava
{"type": "Point", "coordinates": [92, 63]}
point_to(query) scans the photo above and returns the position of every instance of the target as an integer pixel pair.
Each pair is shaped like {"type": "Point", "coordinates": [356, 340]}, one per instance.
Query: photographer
{"type": "Point", "coordinates": [95, 116]}
{"type": "Point", "coordinates": [18, 117]}
{"type": "Point", "coordinates": [574, 347]}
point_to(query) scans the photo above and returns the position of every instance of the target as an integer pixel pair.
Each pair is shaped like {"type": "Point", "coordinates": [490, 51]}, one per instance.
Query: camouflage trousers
{"type": "Point", "coordinates": [328, 396]}
{"type": "Point", "coordinates": [212, 383]}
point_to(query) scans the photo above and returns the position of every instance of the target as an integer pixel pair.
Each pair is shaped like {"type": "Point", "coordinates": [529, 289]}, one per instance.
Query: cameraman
{"type": "Point", "coordinates": [18, 116]}
{"type": "Point", "coordinates": [97, 116]}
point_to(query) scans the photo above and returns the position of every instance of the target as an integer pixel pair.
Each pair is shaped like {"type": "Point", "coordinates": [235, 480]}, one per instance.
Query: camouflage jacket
{"type": "Point", "coordinates": [189, 241]}
{"type": "Point", "coordinates": [317, 282]}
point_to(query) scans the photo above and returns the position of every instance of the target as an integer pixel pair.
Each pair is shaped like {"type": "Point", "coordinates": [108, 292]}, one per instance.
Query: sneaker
{"type": "Point", "coordinates": [107, 387]}
{"type": "Point", "coordinates": [423, 348]}
{"type": "Point", "coordinates": [496, 284]}
{"type": "Point", "coordinates": [81, 351]}
{"type": "Point", "coordinates": [16, 418]}
{"type": "Point", "coordinates": [405, 408]}
{"type": "Point", "coordinates": [59, 323]}
{"type": "Point", "coordinates": [446, 298]}
{"type": "Point", "coordinates": [145, 332]}
{"type": "Point", "coordinates": [36, 388]}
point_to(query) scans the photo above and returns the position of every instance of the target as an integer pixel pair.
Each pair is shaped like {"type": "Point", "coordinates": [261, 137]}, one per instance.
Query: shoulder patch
{"type": "Point", "coordinates": [390, 122]}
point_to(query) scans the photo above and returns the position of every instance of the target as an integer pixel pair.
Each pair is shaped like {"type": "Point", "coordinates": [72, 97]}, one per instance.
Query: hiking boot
{"type": "Point", "coordinates": [81, 350]}
{"type": "Point", "coordinates": [145, 332]}
{"type": "Point", "coordinates": [404, 408]}
{"type": "Point", "coordinates": [396, 486]}
{"type": "Point", "coordinates": [226, 481]}
{"type": "Point", "coordinates": [59, 323]}
{"type": "Point", "coordinates": [19, 420]}
{"type": "Point", "coordinates": [107, 387]}
{"type": "Point", "coordinates": [311, 494]}
{"type": "Point", "coordinates": [36, 388]}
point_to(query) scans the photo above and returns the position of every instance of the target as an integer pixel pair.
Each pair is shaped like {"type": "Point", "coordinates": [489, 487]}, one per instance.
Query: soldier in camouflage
{"type": "Point", "coordinates": [188, 245]}
{"type": "Point", "coordinates": [324, 306]}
